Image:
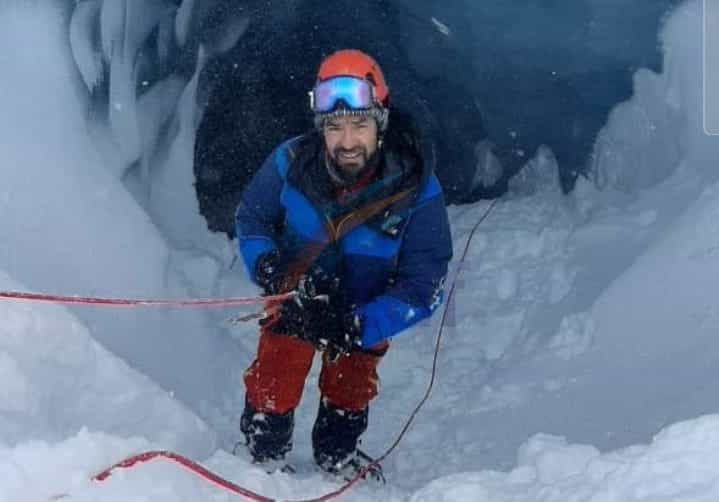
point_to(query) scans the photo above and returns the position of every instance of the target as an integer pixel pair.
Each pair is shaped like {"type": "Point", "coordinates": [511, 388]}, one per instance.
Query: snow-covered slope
{"type": "Point", "coordinates": [70, 225]}
{"type": "Point", "coordinates": [57, 380]}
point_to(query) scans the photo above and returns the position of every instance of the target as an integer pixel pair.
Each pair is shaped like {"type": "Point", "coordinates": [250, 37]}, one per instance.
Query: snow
{"type": "Point", "coordinates": [56, 378]}
{"type": "Point", "coordinates": [679, 464]}
{"type": "Point", "coordinates": [579, 359]}
{"type": "Point", "coordinates": [69, 225]}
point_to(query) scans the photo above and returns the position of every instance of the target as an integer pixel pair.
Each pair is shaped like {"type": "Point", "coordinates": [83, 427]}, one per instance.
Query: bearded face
{"type": "Point", "coordinates": [351, 143]}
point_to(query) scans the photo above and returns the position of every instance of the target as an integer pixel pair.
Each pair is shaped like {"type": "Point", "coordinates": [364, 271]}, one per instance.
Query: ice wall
{"type": "Point", "coordinates": [70, 226]}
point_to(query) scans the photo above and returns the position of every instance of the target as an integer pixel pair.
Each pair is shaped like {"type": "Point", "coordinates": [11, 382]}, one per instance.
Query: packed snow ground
{"type": "Point", "coordinates": [581, 329]}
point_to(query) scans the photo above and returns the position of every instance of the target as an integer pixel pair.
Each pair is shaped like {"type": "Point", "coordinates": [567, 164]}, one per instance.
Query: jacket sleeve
{"type": "Point", "coordinates": [421, 270]}
{"type": "Point", "coordinates": [260, 210]}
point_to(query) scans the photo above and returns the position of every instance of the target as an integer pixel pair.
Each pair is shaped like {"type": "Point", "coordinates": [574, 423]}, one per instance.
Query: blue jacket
{"type": "Point", "coordinates": [392, 259]}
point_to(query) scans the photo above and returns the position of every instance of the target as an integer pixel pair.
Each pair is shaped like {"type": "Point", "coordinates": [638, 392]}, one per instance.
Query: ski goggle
{"type": "Point", "coordinates": [355, 93]}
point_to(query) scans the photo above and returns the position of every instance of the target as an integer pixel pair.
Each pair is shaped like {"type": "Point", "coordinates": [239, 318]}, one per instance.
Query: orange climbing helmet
{"type": "Point", "coordinates": [354, 63]}
{"type": "Point", "coordinates": [350, 82]}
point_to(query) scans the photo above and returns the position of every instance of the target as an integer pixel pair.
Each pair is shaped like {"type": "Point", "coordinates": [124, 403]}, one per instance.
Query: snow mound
{"type": "Point", "coordinates": [57, 379]}
{"type": "Point", "coordinates": [679, 465]}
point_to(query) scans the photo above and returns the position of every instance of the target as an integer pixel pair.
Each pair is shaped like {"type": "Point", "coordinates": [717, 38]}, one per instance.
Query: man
{"type": "Point", "coordinates": [351, 217]}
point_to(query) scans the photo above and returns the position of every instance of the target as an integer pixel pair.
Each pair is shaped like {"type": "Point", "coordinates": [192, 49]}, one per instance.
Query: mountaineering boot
{"type": "Point", "coordinates": [334, 439]}
{"type": "Point", "coordinates": [268, 437]}
{"type": "Point", "coordinates": [358, 462]}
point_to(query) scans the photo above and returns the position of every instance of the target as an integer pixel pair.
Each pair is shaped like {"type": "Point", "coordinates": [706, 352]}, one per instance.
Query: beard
{"type": "Point", "coordinates": [356, 162]}
{"type": "Point", "coordinates": [346, 172]}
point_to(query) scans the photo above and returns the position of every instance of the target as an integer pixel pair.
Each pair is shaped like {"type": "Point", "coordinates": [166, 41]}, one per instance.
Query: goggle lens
{"type": "Point", "coordinates": [355, 93]}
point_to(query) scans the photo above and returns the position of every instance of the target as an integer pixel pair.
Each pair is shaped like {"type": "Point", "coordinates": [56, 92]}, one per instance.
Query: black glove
{"type": "Point", "coordinates": [331, 323]}
{"type": "Point", "coordinates": [339, 332]}
{"type": "Point", "coordinates": [305, 314]}
{"type": "Point", "coordinates": [290, 319]}
{"type": "Point", "coordinates": [318, 313]}
{"type": "Point", "coordinates": [296, 316]}
{"type": "Point", "coordinates": [270, 272]}
{"type": "Point", "coordinates": [270, 275]}
{"type": "Point", "coordinates": [333, 331]}
{"type": "Point", "coordinates": [317, 287]}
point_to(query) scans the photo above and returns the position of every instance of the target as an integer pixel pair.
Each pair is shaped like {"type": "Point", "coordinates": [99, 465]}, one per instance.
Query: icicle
{"type": "Point", "coordinates": [85, 45]}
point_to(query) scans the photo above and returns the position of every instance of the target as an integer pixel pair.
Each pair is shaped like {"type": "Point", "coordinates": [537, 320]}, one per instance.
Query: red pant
{"type": "Point", "coordinates": [275, 380]}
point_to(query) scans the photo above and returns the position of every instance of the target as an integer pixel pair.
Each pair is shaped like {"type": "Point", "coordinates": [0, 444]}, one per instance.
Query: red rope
{"type": "Point", "coordinates": [136, 302]}
{"type": "Point", "coordinates": [213, 478]}
{"type": "Point", "coordinates": [188, 464]}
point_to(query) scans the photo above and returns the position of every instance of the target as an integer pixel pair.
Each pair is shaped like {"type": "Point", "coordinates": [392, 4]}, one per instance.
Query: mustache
{"type": "Point", "coordinates": [339, 150]}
